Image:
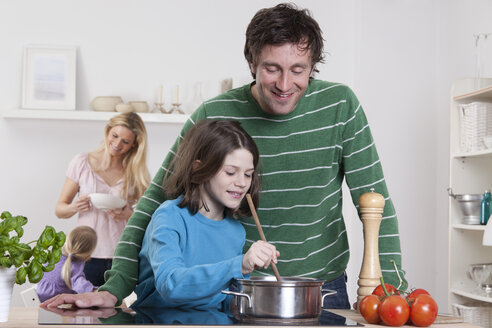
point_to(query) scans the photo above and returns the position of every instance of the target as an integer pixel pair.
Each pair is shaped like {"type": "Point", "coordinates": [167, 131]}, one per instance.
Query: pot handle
{"type": "Point", "coordinates": [329, 292]}
{"type": "Point", "coordinates": [228, 292]}
{"type": "Point", "coordinates": [450, 193]}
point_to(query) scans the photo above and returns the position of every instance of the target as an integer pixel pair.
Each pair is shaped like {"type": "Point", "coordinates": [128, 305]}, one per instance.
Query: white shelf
{"type": "Point", "coordinates": [479, 153]}
{"type": "Point", "coordinates": [470, 89]}
{"type": "Point", "coordinates": [484, 94]}
{"type": "Point", "coordinates": [82, 115]}
{"type": "Point", "coordinates": [469, 172]}
{"type": "Point", "coordinates": [476, 227]}
{"type": "Point", "coordinates": [473, 293]}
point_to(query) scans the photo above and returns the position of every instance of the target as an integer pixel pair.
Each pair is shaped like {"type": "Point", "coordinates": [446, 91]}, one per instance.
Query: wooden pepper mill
{"type": "Point", "coordinates": [371, 206]}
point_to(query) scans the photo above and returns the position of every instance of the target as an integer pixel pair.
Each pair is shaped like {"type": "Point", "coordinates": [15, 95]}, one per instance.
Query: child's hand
{"type": "Point", "coordinates": [259, 255]}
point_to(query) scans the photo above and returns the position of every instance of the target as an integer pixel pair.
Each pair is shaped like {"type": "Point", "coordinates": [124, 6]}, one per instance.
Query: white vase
{"type": "Point", "coordinates": [7, 279]}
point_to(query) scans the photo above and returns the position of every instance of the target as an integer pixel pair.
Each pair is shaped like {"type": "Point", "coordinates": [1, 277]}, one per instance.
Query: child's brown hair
{"type": "Point", "coordinates": [209, 142]}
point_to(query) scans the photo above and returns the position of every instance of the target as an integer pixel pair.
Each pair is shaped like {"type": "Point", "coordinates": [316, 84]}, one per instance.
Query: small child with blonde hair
{"type": "Point", "coordinates": [68, 274]}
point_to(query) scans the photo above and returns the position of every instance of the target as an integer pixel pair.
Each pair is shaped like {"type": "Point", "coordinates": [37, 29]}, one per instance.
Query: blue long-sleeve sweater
{"type": "Point", "coordinates": [186, 260]}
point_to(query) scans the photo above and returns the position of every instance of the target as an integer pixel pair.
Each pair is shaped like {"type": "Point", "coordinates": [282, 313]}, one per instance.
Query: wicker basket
{"type": "Point", "coordinates": [477, 313]}
{"type": "Point", "coordinates": [475, 124]}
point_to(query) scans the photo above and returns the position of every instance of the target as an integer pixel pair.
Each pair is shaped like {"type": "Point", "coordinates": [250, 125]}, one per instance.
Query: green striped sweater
{"type": "Point", "coordinates": [305, 155]}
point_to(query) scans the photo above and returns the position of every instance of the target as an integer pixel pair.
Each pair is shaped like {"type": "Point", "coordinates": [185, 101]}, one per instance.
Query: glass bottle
{"type": "Point", "coordinates": [485, 207]}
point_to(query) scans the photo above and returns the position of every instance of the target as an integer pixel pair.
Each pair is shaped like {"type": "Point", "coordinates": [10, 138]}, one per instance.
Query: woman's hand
{"type": "Point", "coordinates": [81, 204]}
{"type": "Point", "coordinates": [259, 255]}
{"type": "Point", "coordinates": [67, 205]}
{"type": "Point", "coordinates": [119, 214]}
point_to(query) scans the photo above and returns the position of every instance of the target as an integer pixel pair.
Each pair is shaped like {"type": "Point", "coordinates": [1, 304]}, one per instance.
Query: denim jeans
{"type": "Point", "coordinates": [340, 300]}
{"type": "Point", "coordinates": [94, 270]}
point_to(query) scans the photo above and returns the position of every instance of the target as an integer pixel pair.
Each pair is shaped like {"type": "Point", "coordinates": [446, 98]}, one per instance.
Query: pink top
{"type": "Point", "coordinates": [108, 230]}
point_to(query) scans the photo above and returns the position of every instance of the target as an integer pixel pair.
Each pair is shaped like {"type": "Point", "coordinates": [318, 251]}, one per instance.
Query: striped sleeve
{"type": "Point", "coordinates": [363, 171]}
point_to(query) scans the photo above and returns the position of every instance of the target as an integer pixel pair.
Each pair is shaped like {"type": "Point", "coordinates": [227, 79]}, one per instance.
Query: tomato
{"type": "Point", "coordinates": [379, 291]}
{"type": "Point", "coordinates": [394, 310]}
{"type": "Point", "coordinates": [423, 310]}
{"type": "Point", "coordinates": [415, 292]}
{"type": "Point", "coordinates": [369, 308]}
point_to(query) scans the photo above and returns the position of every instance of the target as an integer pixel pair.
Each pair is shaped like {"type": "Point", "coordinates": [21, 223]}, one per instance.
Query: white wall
{"type": "Point", "coordinates": [399, 56]}
{"type": "Point", "coordinates": [125, 48]}
{"type": "Point", "coordinates": [395, 80]}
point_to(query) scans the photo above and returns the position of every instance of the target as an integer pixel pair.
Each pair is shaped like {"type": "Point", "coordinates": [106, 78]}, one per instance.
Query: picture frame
{"type": "Point", "coordinates": [49, 77]}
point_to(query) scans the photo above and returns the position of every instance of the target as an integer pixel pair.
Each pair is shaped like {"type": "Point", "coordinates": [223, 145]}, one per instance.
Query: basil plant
{"type": "Point", "coordinates": [33, 261]}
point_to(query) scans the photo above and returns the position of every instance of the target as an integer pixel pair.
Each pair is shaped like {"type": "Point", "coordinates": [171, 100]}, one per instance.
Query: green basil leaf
{"type": "Point", "coordinates": [60, 238]}
{"type": "Point", "coordinates": [21, 220]}
{"type": "Point", "coordinates": [5, 262]}
{"type": "Point", "coordinates": [35, 271]}
{"type": "Point", "coordinates": [48, 268]}
{"type": "Point", "coordinates": [17, 260]}
{"type": "Point", "coordinates": [20, 276]}
{"type": "Point", "coordinates": [5, 215]}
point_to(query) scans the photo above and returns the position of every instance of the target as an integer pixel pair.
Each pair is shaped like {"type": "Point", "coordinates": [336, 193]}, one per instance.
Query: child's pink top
{"type": "Point", "coordinates": [108, 230]}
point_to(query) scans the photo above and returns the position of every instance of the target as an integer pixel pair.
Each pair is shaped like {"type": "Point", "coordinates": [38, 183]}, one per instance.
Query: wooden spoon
{"type": "Point", "coordinates": [260, 231]}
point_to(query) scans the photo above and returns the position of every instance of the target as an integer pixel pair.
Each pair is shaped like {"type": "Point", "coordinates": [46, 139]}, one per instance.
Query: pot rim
{"type": "Point", "coordinates": [271, 281]}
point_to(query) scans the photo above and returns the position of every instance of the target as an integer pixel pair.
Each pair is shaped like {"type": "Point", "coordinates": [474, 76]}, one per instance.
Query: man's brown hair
{"type": "Point", "coordinates": [283, 24]}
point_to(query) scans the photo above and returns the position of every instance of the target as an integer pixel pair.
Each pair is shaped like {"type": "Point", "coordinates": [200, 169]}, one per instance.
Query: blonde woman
{"type": "Point", "coordinates": [68, 276]}
{"type": "Point", "coordinates": [117, 167]}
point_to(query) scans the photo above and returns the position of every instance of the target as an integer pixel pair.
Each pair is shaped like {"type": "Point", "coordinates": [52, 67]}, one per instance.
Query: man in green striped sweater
{"type": "Point", "coordinates": [311, 135]}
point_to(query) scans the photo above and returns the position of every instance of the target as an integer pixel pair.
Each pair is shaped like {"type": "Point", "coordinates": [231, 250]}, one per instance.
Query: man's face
{"type": "Point", "coordinates": [282, 77]}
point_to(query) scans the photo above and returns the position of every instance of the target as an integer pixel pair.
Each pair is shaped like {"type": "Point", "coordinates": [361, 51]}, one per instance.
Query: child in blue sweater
{"type": "Point", "coordinates": [193, 245]}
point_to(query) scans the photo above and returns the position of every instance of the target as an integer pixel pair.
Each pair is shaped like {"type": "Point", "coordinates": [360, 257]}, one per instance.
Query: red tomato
{"type": "Point", "coordinates": [418, 291]}
{"type": "Point", "coordinates": [423, 310]}
{"type": "Point", "coordinates": [379, 291]}
{"type": "Point", "coordinates": [369, 308]}
{"type": "Point", "coordinates": [394, 310]}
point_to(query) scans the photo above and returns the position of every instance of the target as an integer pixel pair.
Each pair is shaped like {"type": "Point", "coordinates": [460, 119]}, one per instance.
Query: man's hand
{"type": "Point", "coordinates": [100, 299]}
{"type": "Point", "coordinates": [96, 313]}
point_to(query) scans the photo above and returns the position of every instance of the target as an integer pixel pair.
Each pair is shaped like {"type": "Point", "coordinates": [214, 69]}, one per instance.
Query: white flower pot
{"type": "Point", "coordinates": [7, 279]}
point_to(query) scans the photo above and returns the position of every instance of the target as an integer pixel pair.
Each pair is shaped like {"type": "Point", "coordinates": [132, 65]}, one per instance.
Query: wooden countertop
{"type": "Point", "coordinates": [441, 321]}
{"type": "Point", "coordinates": [21, 317]}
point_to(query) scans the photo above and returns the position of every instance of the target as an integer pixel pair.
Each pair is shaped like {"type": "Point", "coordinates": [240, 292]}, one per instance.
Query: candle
{"type": "Point", "coordinates": [176, 94]}
{"type": "Point", "coordinates": [160, 94]}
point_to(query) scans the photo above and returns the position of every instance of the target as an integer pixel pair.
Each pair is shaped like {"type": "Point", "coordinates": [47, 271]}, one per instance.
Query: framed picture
{"type": "Point", "coordinates": [49, 77]}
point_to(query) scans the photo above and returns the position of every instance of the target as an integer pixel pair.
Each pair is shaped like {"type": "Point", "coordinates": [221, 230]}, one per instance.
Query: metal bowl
{"type": "Point", "coordinates": [481, 274]}
{"type": "Point", "coordinates": [469, 205]}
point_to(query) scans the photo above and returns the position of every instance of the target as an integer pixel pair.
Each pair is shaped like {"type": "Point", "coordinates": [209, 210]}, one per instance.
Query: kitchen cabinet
{"type": "Point", "coordinates": [470, 173]}
{"type": "Point", "coordinates": [88, 115]}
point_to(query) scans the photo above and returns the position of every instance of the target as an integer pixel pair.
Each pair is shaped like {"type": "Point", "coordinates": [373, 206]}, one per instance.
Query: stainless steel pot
{"type": "Point", "coordinates": [469, 205]}
{"type": "Point", "coordinates": [290, 298]}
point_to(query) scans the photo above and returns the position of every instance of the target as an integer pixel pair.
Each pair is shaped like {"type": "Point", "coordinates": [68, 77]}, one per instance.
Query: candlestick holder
{"type": "Point", "coordinates": [176, 108]}
{"type": "Point", "coordinates": [159, 107]}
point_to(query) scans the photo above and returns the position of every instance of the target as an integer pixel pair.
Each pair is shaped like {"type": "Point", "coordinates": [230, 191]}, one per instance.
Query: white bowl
{"type": "Point", "coordinates": [140, 106]}
{"type": "Point", "coordinates": [106, 201]}
{"type": "Point", "coordinates": [124, 108]}
{"type": "Point", "coordinates": [106, 103]}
